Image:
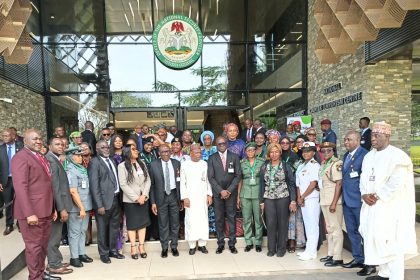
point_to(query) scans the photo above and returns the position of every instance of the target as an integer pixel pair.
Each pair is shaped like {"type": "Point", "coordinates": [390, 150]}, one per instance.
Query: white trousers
{"type": "Point", "coordinates": [310, 213]}
{"type": "Point", "coordinates": [201, 243]}
{"type": "Point", "coordinates": [394, 270]}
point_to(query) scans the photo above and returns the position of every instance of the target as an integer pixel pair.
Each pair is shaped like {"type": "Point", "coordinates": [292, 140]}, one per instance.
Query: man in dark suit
{"type": "Point", "coordinates": [7, 151]}
{"type": "Point", "coordinates": [248, 132]}
{"type": "Point", "coordinates": [138, 137]}
{"type": "Point", "coordinates": [365, 133]}
{"type": "Point", "coordinates": [105, 190]}
{"type": "Point", "coordinates": [165, 198]}
{"type": "Point", "coordinates": [224, 173]}
{"type": "Point", "coordinates": [62, 203]}
{"type": "Point", "coordinates": [352, 203]}
{"type": "Point", "coordinates": [258, 127]}
{"type": "Point", "coordinates": [89, 137]}
{"type": "Point", "coordinates": [33, 204]}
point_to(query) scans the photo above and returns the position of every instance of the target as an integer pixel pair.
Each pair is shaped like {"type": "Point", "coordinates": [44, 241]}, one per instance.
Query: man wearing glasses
{"type": "Point", "coordinates": [105, 191]}
{"type": "Point", "coordinates": [224, 172]}
{"type": "Point", "coordinates": [106, 135]}
{"type": "Point", "coordinates": [330, 177]}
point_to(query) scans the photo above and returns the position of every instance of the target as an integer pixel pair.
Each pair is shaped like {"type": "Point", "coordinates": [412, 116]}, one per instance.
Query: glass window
{"type": "Point", "coordinates": [274, 65]}
{"type": "Point", "coordinates": [163, 8]}
{"type": "Point", "coordinates": [127, 16]}
{"type": "Point", "coordinates": [172, 80]}
{"type": "Point", "coordinates": [131, 67]}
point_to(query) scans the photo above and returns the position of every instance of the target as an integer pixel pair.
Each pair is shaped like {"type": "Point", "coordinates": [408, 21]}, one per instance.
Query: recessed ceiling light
{"type": "Point", "coordinates": [52, 17]}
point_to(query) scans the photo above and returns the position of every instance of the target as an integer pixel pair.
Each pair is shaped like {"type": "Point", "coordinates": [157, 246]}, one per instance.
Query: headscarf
{"type": "Point", "coordinates": [206, 132]}
{"type": "Point", "coordinates": [79, 167]}
{"type": "Point", "coordinates": [271, 132]}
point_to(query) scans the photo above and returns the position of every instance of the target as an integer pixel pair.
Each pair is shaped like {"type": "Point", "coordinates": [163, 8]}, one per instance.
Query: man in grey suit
{"type": "Point", "coordinates": [62, 204]}
{"type": "Point", "coordinates": [224, 172]}
{"type": "Point", "coordinates": [105, 190]}
{"type": "Point", "coordinates": [165, 198]}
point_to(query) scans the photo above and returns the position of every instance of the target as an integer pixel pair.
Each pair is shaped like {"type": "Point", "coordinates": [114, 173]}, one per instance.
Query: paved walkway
{"type": "Point", "coordinates": [200, 266]}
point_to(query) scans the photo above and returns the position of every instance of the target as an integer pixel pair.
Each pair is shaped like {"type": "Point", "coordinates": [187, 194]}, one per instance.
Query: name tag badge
{"type": "Point", "coordinates": [230, 170]}
{"type": "Point", "coordinates": [84, 184]}
{"type": "Point", "coordinates": [178, 179]}
{"type": "Point", "coordinates": [252, 182]}
{"type": "Point", "coordinates": [362, 142]}
{"type": "Point", "coordinates": [354, 174]}
{"type": "Point", "coordinates": [372, 178]}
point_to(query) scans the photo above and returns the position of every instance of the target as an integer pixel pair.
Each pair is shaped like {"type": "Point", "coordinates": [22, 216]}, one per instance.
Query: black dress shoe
{"type": "Point", "coordinates": [353, 264]}
{"type": "Point", "coordinates": [281, 253]}
{"type": "Point", "coordinates": [367, 270]}
{"type": "Point", "coordinates": [116, 255]}
{"type": "Point", "coordinates": [248, 248]}
{"type": "Point", "coordinates": [105, 259]}
{"type": "Point", "coordinates": [376, 277]}
{"type": "Point", "coordinates": [175, 252]}
{"type": "Point", "coordinates": [85, 258]}
{"type": "Point", "coordinates": [192, 252]}
{"type": "Point", "coordinates": [326, 259]}
{"type": "Point", "coordinates": [203, 249]}
{"type": "Point", "coordinates": [233, 249]}
{"type": "Point", "coordinates": [270, 254]}
{"type": "Point", "coordinates": [164, 253]}
{"type": "Point", "coordinates": [8, 230]}
{"type": "Point", "coordinates": [50, 277]}
{"type": "Point", "coordinates": [258, 248]}
{"type": "Point", "coordinates": [333, 263]}
{"type": "Point", "coordinates": [220, 250]}
{"type": "Point", "coordinates": [76, 263]}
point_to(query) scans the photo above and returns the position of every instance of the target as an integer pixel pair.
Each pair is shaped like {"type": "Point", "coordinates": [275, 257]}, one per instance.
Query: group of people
{"type": "Point", "coordinates": [154, 185]}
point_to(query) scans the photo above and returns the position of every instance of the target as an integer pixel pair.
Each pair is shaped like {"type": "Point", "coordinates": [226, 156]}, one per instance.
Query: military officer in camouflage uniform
{"type": "Point", "coordinates": [248, 196]}
{"type": "Point", "coordinates": [330, 177]}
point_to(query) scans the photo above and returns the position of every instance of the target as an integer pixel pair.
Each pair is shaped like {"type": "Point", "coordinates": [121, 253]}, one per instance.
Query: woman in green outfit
{"type": "Point", "coordinates": [248, 197]}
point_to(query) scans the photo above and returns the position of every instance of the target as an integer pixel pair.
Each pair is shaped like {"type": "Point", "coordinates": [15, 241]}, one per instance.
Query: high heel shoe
{"type": "Point", "coordinates": [144, 254]}
{"type": "Point", "coordinates": [134, 256]}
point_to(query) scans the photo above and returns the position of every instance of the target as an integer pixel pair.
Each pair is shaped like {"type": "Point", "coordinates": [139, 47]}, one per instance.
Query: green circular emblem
{"type": "Point", "coordinates": [177, 41]}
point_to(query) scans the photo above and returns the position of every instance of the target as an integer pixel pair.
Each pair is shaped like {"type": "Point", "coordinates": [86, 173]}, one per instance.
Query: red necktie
{"type": "Point", "coordinates": [44, 163]}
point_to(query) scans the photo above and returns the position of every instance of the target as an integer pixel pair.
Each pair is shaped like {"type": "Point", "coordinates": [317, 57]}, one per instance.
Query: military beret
{"type": "Point", "coordinates": [148, 140]}
{"type": "Point", "coordinates": [327, 145]}
{"type": "Point", "coordinates": [176, 139]}
{"type": "Point", "coordinates": [251, 145]}
{"type": "Point", "coordinates": [325, 121]}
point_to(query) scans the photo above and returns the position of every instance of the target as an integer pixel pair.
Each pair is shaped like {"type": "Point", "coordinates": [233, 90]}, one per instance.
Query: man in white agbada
{"type": "Point", "coordinates": [197, 196]}
{"type": "Point", "coordinates": [387, 217]}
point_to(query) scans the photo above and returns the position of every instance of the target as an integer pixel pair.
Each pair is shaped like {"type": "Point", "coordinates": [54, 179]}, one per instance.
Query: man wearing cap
{"type": "Point", "coordinates": [62, 204]}
{"type": "Point", "coordinates": [387, 218]}
{"type": "Point", "coordinates": [297, 127]}
{"type": "Point", "coordinates": [330, 200]}
{"type": "Point", "coordinates": [328, 135]}
{"type": "Point", "coordinates": [352, 201]}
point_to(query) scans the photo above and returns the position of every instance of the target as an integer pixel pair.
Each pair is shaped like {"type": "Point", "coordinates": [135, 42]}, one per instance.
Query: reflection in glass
{"type": "Point", "coordinates": [165, 8]}
{"type": "Point", "coordinates": [73, 111]}
{"type": "Point", "coordinates": [125, 16]}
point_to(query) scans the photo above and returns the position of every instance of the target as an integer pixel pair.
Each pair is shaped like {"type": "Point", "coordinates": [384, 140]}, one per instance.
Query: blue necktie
{"type": "Point", "coordinates": [140, 142]}
{"type": "Point", "coordinates": [347, 161]}
{"type": "Point", "coordinates": [9, 156]}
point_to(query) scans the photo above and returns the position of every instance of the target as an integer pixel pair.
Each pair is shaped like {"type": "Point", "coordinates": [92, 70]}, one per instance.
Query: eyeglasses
{"type": "Point", "coordinates": [284, 143]}
{"type": "Point", "coordinates": [311, 134]}
{"type": "Point", "coordinates": [221, 144]}
{"type": "Point", "coordinates": [104, 147]}
{"type": "Point", "coordinates": [106, 134]}
{"type": "Point", "coordinates": [326, 150]}
{"type": "Point", "coordinates": [164, 152]}
{"type": "Point", "coordinates": [300, 141]}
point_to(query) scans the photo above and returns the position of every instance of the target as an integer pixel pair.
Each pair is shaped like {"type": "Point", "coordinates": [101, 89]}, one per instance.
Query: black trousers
{"type": "Point", "coordinates": [277, 218]}
{"type": "Point", "coordinates": [225, 208]}
{"type": "Point", "coordinates": [7, 197]}
{"type": "Point", "coordinates": [108, 226]}
{"type": "Point", "coordinates": [168, 219]}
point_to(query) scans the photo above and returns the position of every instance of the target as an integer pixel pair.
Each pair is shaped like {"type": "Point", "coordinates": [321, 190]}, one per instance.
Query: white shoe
{"type": "Point", "coordinates": [299, 253]}
{"type": "Point", "coordinates": [307, 257]}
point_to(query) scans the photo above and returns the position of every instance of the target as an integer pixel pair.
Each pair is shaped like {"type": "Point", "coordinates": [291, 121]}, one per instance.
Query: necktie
{"type": "Point", "coordinates": [112, 171]}
{"type": "Point", "coordinates": [9, 157]}
{"type": "Point", "coordinates": [223, 162]}
{"type": "Point", "coordinates": [249, 134]}
{"type": "Point", "coordinates": [347, 161]}
{"type": "Point", "coordinates": [140, 142]}
{"type": "Point", "coordinates": [44, 163]}
{"type": "Point", "coordinates": [167, 180]}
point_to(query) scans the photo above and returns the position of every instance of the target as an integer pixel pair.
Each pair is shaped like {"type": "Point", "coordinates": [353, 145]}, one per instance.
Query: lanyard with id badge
{"type": "Point", "coordinates": [230, 168]}
{"type": "Point", "coordinates": [178, 177]}
{"type": "Point", "coordinates": [353, 174]}
{"type": "Point", "coordinates": [252, 180]}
